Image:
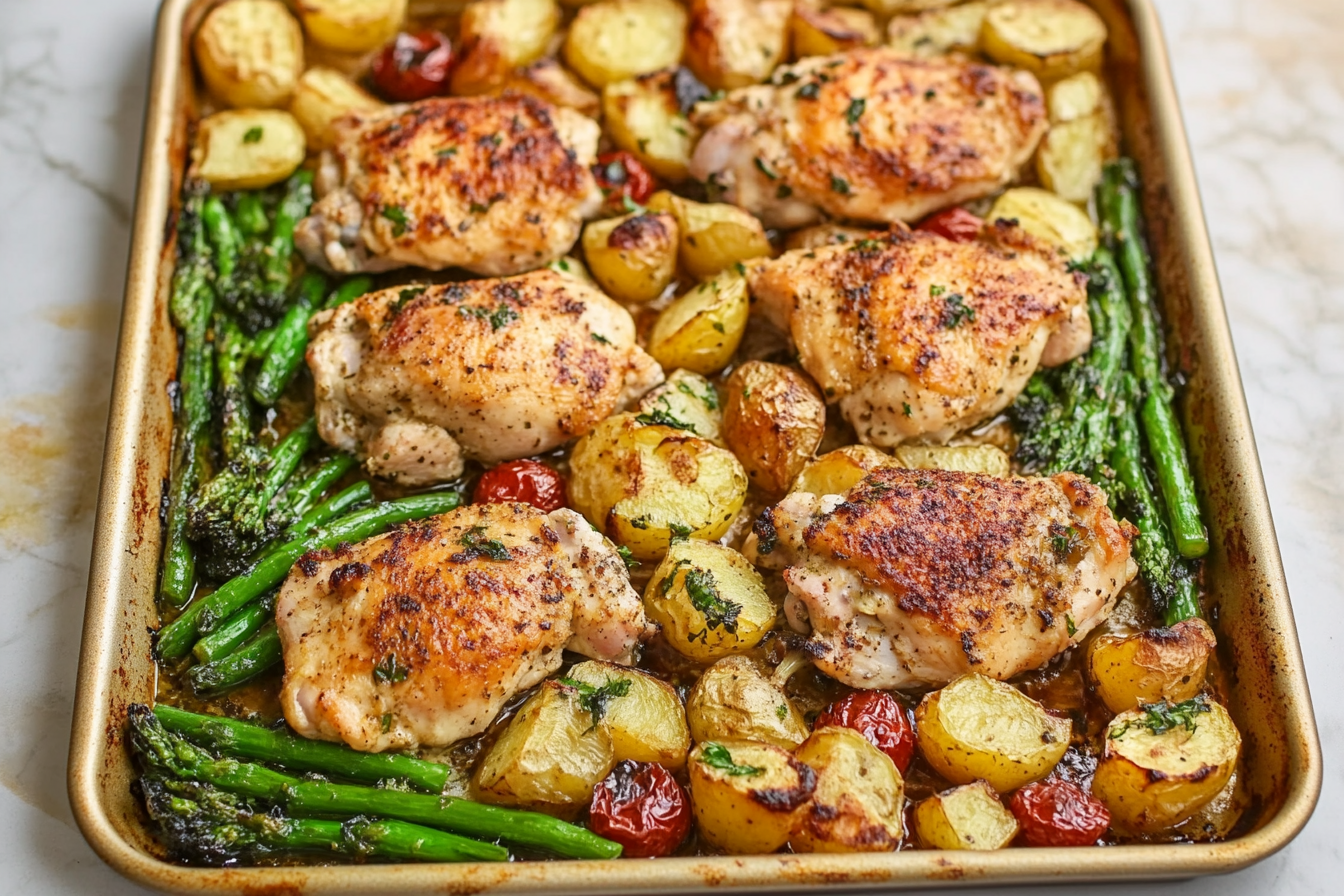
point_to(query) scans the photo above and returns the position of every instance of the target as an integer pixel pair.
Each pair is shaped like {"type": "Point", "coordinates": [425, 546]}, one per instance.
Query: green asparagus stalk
{"type": "Point", "coordinates": [176, 638]}
{"type": "Point", "coordinates": [294, 205]}
{"type": "Point", "coordinates": [178, 578]}
{"type": "Point", "coordinates": [303, 496]}
{"type": "Point", "coordinates": [231, 351]}
{"type": "Point", "coordinates": [287, 453]}
{"type": "Point", "coordinates": [235, 631]}
{"type": "Point", "coordinates": [289, 342]}
{"type": "Point", "coordinates": [248, 741]}
{"type": "Point", "coordinates": [347, 499]}
{"type": "Point", "coordinates": [247, 662]}
{"type": "Point", "coordinates": [348, 292]}
{"type": "Point", "coordinates": [250, 214]}
{"type": "Point", "coordinates": [195, 266]}
{"type": "Point", "coordinates": [225, 240]}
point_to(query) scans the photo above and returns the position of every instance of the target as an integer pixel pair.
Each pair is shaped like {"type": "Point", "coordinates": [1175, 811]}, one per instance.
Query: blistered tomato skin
{"type": "Point", "coordinates": [879, 718]}
{"type": "Point", "coordinates": [414, 67]}
{"type": "Point", "coordinates": [521, 482]}
{"type": "Point", "coordinates": [956, 224]}
{"type": "Point", "coordinates": [1056, 812]}
{"type": "Point", "coordinates": [620, 174]}
{"type": "Point", "coordinates": [642, 807]}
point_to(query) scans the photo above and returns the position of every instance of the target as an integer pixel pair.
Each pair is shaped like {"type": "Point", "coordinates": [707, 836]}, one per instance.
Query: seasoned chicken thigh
{"type": "Point", "coordinates": [415, 379]}
{"type": "Point", "coordinates": [870, 136]}
{"type": "Point", "coordinates": [496, 185]}
{"type": "Point", "coordinates": [420, 636]}
{"type": "Point", "coordinates": [917, 336]}
{"type": "Point", "coordinates": [917, 576]}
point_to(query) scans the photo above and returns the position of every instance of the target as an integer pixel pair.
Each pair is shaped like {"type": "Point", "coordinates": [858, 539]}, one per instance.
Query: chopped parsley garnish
{"type": "Point", "coordinates": [594, 701]}
{"type": "Point", "coordinates": [957, 311]}
{"type": "Point", "coordinates": [781, 711]}
{"type": "Point", "coordinates": [935, 290]}
{"type": "Point", "coordinates": [765, 169]}
{"type": "Point", "coordinates": [703, 591]}
{"type": "Point", "coordinates": [1070, 625]}
{"type": "Point", "coordinates": [598, 337]}
{"type": "Point", "coordinates": [387, 722]}
{"type": "Point", "coordinates": [397, 215]}
{"type": "Point", "coordinates": [629, 558]}
{"type": "Point", "coordinates": [855, 110]}
{"type": "Point", "coordinates": [717, 756]}
{"type": "Point", "coordinates": [253, 135]}
{"type": "Point", "coordinates": [783, 191]}
{"type": "Point", "coordinates": [478, 545]}
{"type": "Point", "coordinates": [866, 245]}
{"type": "Point", "coordinates": [718, 325]}
{"type": "Point", "coordinates": [930, 93]}
{"type": "Point", "coordinates": [808, 91]}
{"type": "Point", "coordinates": [679, 531]}
{"type": "Point", "coordinates": [641, 522]}
{"type": "Point", "coordinates": [905, 409]}
{"type": "Point", "coordinates": [1159, 718]}
{"type": "Point", "coordinates": [479, 208]}
{"type": "Point", "coordinates": [446, 152]}
{"type": "Point", "coordinates": [404, 298]}
{"type": "Point", "coordinates": [839, 185]}
{"type": "Point", "coordinates": [661, 417]}
{"type": "Point", "coordinates": [501, 317]}
{"type": "Point", "coordinates": [710, 399]}
{"type": "Point", "coordinates": [1063, 539]}
{"type": "Point", "coordinates": [389, 671]}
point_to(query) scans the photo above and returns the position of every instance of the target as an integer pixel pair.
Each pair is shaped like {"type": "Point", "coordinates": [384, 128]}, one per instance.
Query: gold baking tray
{"type": "Point", "coordinates": [1268, 688]}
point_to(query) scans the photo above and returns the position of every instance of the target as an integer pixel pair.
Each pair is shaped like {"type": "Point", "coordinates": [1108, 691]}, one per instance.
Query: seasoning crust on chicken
{"type": "Point", "coordinates": [868, 135]}
{"type": "Point", "coordinates": [917, 336]}
{"type": "Point", "coordinates": [917, 576]}
{"type": "Point", "coordinates": [496, 185]}
{"type": "Point", "coordinates": [420, 636]}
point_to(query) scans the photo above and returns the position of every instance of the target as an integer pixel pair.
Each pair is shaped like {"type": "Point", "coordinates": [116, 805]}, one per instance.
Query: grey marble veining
{"type": "Point", "coordinates": [1262, 86]}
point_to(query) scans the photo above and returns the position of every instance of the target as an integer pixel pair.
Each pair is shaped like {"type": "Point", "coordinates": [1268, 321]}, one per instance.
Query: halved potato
{"type": "Point", "coordinates": [735, 699]}
{"type": "Point", "coordinates": [1082, 137]}
{"type": "Point", "coordinates": [1163, 762]}
{"type": "Point", "coordinates": [1077, 96]}
{"type": "Point", "coordinates": [1051, 38]}
{"type": "Point", "coordinates": [827, 235]}
{"type": "Point", "coordinates": [821, 32]}
{"type": "Point", "coordinates": [773, 420]}
{"type": "Point", "coordinates": [643, 484]}
{"type": "Point", "coordinates": [498, 36]}
{"type": "Point", "coordinates": [549, 758]}
{"type": "Point", "coordinates": [938, 31]}
{"type": "Point", "coordinates": [352, 26]}
{"type": "Point", "coordinates": [572, 267]}
{"type": "Point", "coordinates": [746, 796]}
{"type": "Point", "coordinates": [647, 723]}
{"type": "Point", "coordinates": [247, 149]}
{"type": "Point", "coordinates": [250, 53]}
{"type": "Point", "coordinates": [709, 600]}
{"type": "Point", "coordinates": [859, 800]}
{"type": "Point", "coordinates": [690, 400]}
{"type": "Point", "coordinates": [715, 235]}
{"type": "Point", "coordinates": [891, 7]}
{"type": "Point", "coordinates": [702, 329]}
{"type": "Point", "coordinates": [548, 80]}
{"type": "Point", "coordinates": [736, 43]}
{"type": "Point", "coordinates": [977, 727]}
{"type": "Point", "coordinates": [633, 257]}
{"type": "Point", "coordinates": [967, 817]}
{"type": "Point", "coordinates": [644, 117]}
{"type": "Point", "coordinates": [1047, 217]}
{"type": "Point", "coordinates": [1151, 666]}
{"type": "Point", "coordinates": [615, 40]}
{"type": "Point", "coordinates": [988, 459]}
{"type": "Point", "coordinates": [322, 96]}
{"type": "Point", "coordinates": [836, 472]}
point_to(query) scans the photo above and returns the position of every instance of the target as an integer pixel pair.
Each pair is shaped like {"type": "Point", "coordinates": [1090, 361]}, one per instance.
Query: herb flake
{"type": "Point", "coordinates": [253, 135]}
{"type": "Point", "coordinates": [397, 215]}
{"type": "Point", "coordinates": [595, 700]}
{"type": "Point", "coordinates": [1159, 718]}
{"type": "Point", "coordinates": [478, 545]}
{"type": "Point", "coordinates": [716, 756]}
{"type": "Point", "coordinates": [390, 671]}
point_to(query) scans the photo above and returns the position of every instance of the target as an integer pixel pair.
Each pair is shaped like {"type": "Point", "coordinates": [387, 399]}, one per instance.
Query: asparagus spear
{"type": "Point", "coordinates": [1118, 198]}
{"type": "Point", "coordinates": [293, 207]}
{"type": "Point", "coordinates": [224, 237]}
{"type": "Point", "coordinates": [247, 662]}
{"type": "Point", "coordinates": [283, 360]}
{"type": "Point", "coordinates": [250, 214]}
{"type": "Point", "coordinates": [194, 268]}
{"type": "Point", "coordinates": [176, 638]}
{"type": "Point", "coordinates": [233, 632]}
{"type": "Point", "coordinates": [231, 351]}
{"type": "Point", "coordinates": [304, 496]}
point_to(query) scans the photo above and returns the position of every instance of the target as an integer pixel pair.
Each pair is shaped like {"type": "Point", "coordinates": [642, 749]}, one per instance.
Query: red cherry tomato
{"type": "Point", "coordinates": [521, 481]}
{"type": "Point", "coordinates": [620, 174]}
{"type": "Point", "coordinates": [413, 67]}
{"type": "Point", "coordinates": [641, 807]}
{"type": "Point", "coordinates": [1059, 813]}
{"type": "Point", "coordinates": [877, 716]}
{"type": "Point", "coordinates": [957, 224]}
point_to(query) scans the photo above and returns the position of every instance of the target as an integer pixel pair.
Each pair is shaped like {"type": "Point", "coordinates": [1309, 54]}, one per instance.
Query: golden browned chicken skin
{"type": "Point", "coordinates": [917, 576]}
{"type": "Point", "coordinates": [919, 337]}
{"type": "Point", "coordinates": [496, 185]}
{"type": "Point", "coordinates": [420, 636]}
{"type": "Point", "coordinates": [868, 135]}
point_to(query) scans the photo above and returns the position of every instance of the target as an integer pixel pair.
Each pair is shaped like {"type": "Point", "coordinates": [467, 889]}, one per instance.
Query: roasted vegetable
{"type": "Point", "coordinates": [1151, 666]}
{"type": "Point", "coordinates": [747, 796]}
{"type": "Point", "coordinates": [936, 32]}
{"type": "Point", "coordinates": [966, 817]}
{"type": "Point", "coordinates": [987, 459]}
{"type": "Point", "coordinates": [499, 36]}
{"type": "Point", "coordinates": [709, 600]}
{"type": "Point", "coordinates": [879, 718]}
{"type": "Point", "coordinates": [1049, 218]}
{"type": "Point", "coordinates": [644, 117]}
{"type": "Point", "coordinates": [413, 66]}
{"type": "Point", "coordinates": [702, 329]}
{"type": "Point", "coordinates": [351, 26]}
{"type": "Point", "coordinates": [643, 713]}
{"type": "Point", "coordinates": [521, 481]}
{"type": "Point", "coordinates": [735, 43]}
{"type": "Point", "coordinates": [686, 401]}
{"type": "Point", "coordinates": [1059, 813]}
{"type": "Point", "coordinates": [818, 31]}
{"type": "Point", "coordinates": [322, 96]}
{"type": "Point", "coordinates": [735, 700]}
{"type": "Point", "coordinates": [250, 53]}
{"type": "Point", "coordinates": [1050, 38]}
{"type": "Point", "coordinates": [773, 419]}
{"type": "Point", "coordinates": [1082, 137]}
{"type": "Point", "coordinates": [859, 800]}
{"type": "Point", "coordinates": [246, 149]}
{"type": "Point", "coordinates": [633, 257]}
{"type": "Point", "coordinates": [715, 236]}
{"type": "Point", "coordinates": [643, 808]}
{"type": "Point", "coordinates": [615, 40]}
{"type": "Point", "coordinates": [836, 472]}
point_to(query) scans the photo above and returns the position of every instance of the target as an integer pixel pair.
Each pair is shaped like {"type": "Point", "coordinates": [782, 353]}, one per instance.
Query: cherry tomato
{"type": "Point", "coordinates": [413, 67]}
{"type": "Point", "coordinates": [642, 807]}
{"type": "Point", "coordinates": [957, 224]}
{"type": "Point", "coordinates": [620, 174]}
{"type": "Point", "coordinates": [877, 716]}
{"type": "Point", "coordinates": [521, 481]}
{"type": "Point", "coordinates": [1056, 812]}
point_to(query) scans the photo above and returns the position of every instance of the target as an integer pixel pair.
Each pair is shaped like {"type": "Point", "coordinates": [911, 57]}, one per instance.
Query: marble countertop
{"type": "Point", "coordinates": [1262, 86]}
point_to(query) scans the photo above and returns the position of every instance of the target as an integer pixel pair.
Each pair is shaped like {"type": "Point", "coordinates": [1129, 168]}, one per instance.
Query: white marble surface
{"type": "Point", "coordinates": [1262, 83]}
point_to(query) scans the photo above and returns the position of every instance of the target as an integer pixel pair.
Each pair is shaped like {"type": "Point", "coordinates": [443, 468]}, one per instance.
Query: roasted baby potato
{"type": "Point", "coordinates": [859, 800]}
{"type": "Point", "coordinates": [616, 40]}
{"type": "Point", "coordinates": [247, 149]}
{"type": "Point", "coordinates": [351, 26]}
{"type": "Point", "coordinates": [572, 267]}
{"type": "Point", "coordinates": [633, 257]}
{"type": "Point", "coordinates": [548, 80]}
{"type": "Point", "coordinates": [647, 721]}
{"type": "Point", "coordinates": [550, 757]}
{"type": "Point", "coordinates": [250, 53]}
{"type": "Point", "coordinates": [1163, 762]}
{"type": "Point", "coordinates": [937, 32]}
{"type": "Point", "coordinates": [1051, 38]}
{"type": "Point", "coordinates": [498, 36]}
{"type": "Point", "coordinates": [701, 329]}
{"type": "Point", "coordinates": [322, 96]}
{"type": "Point", "coordinates": [987, 459]}
{"type": "Point", "coordinates": [1082, 137]}
{"type": "Point", "coordinates": [709, 600]}
{"type": "Point", "coordinates": [644, 484]}
{"type": "Point", "coordinates": [736, 43]}
{"type": "Point", "coordinates": [734, 699]}
{"type": "Point", "coordinates": [891, 7]}
{"type": "Point", "coordinates": [821, 32]}
{"type": "Point", "coordinates": [644, 117]}
{"type": "Point", "coordinates": [977, 727]}
{"type": "Point", "coordinates": [826, 235]}
{"type": "Point", "coordinates": [967, 817]}
{"type": "Point", "coordinates": [746, 796]}
{"type": "Point", "coordinates": [836, 472]}
{"type": "Point", "coordinates": [1151, 666]}
{"type": "Point", "coordinates": [715, 235]}
{"type": "Point", "coordinates": [1047, 217]}
{"type": "Point", "coordinates": [688, 399]}
{"type": "Point", "coordinates": [773, 420]}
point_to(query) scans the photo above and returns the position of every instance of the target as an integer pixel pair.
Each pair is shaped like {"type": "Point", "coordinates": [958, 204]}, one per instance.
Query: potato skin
{"type": "Point", "coordinates": [648, 724]}
{"type": "Point", "coordinates": [836, 472]}
{"type": "Point", "coordinates": [725, 574]}
{"type": "Point", "coordinates": [702, 329]}
{"type": "Point", "coordinates": [643, 117]}
{"type": "Point", "coordinates": [548, 80]}
{"type": "Point", "coordinates": [322, 96]}
{"type": "Point", "coordinates": [615, 40]}
{"type": "Point", "coordinates": [691, 400]}
{"type": "Point", "coordinates": [1050, 38]}
{"type": "Point", "coordinates": [966, 817]}
{"type": "Point", "coordinates": [821, 32]}
{"type": "Point", "coordinates": [860, 797]}
{"type": "Point", "coordinates": [1151, 666]}
{"type": "Point", "coordinates": [633, 257]}
{"type": "Point", "coordinates": [351, 26]}
{"type": "Point", "coordinates": [1048, 217]}
{"type": "Point", "coordinates": [735, 700]}
{"type": "Point", "coordinates": [247, 149]}
{"type": "Point", "coordinates": [773, 420]}
{"type": "Point", "coordinates": [250, 53]}
{"type": "Point", "coordinates": [498, 36]}
{"type": "Point", "coordinates": [736, 43]}
{"type": "Point", "coordinates": [715, 236]}
{"type": "Point", "coordinates": [977, 727]}
{"type": "Point", "coordinates": [748, 813]}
